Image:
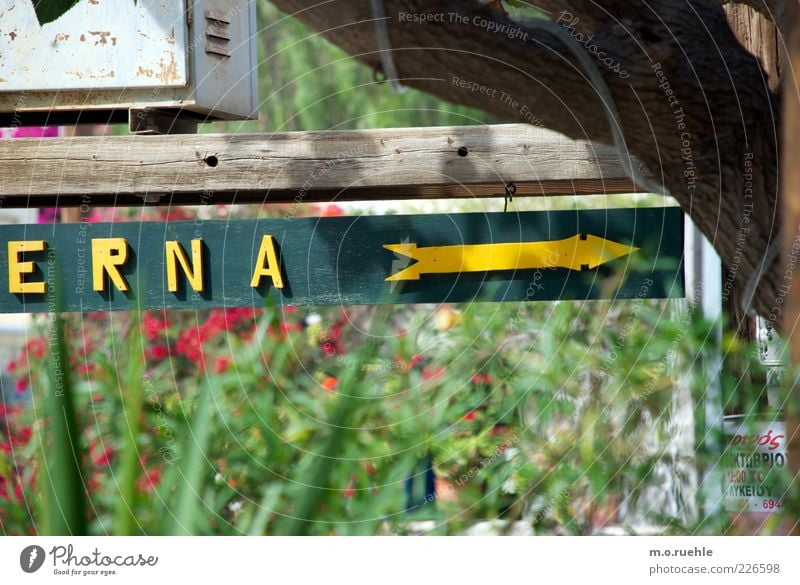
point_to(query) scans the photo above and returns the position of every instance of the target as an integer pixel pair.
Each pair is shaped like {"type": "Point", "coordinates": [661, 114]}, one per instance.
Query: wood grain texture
{"type": "Point", "coordinates": [463, 161]}
{"type": "Point", "coordinates": [790, 185]}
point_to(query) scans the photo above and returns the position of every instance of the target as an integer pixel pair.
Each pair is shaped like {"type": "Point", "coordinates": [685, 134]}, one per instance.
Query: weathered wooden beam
{"type": "Point", "coordinates": [790, 186]}
{"type": "Point", "coordinates": [405, 163]}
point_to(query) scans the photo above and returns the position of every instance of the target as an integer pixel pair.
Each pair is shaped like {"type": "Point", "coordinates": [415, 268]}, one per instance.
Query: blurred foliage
{"type": "Point", "coordinates": [567, 417]}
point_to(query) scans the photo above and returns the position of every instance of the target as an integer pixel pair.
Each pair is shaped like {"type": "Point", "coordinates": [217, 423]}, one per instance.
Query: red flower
{"type": "Point", "coordinates": [481, 378]}
{"type": "Point", "coordinates": [330, 383]}
{"type": "Point", "coordinates": [149, 481]}
{"type": "Point", "coordinates": [470, 416]}
{"type": "Point", "coordinates": [105, 457]}
{"type": "Point", "coordinates": [22, 385]}
{"type": "Point", "coordinates": [432, 373]}
{"type": "Point", "coordinates": [498, 430]}
{"type": "Point", "coordinates": [350, 490]}
{"type": "Point", "coordinates": [36, 347]}
{"type": "Point", "coordinates": [414, 361]}
{"type": "Point", "coordinates": [177, 214]}
{"type": "Point", "coordinates": [221, 365]}
{"type": "Point", "coordinates": [289, 327]}
{"type": "Point", "coordinates": [332, 211]}
{"type": "Point", "coordinates": [152, 327]}
{"type": "Point", "coordinates": [157, 352]}
{"type": "Point", "coordinates": [93, 485]}
{"type": "Point", "coordinates": [189, 344]}
{"type": "Point", "coordinates": [86, 368]}
{"type": "Point", "coordinates": [24, 435]}
{"type": "Point", "coordinates": [11, 366]}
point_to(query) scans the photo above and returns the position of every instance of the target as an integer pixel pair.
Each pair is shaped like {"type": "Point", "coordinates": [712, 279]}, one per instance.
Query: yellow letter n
{"type": "Point", "coordinates": [194, 273]}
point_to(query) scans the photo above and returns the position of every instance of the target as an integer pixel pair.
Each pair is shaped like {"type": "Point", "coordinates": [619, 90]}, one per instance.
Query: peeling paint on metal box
{"type": "Point", "coordinates": [91, 40]}
{"type": "Point", "coordinates": [112, 57]}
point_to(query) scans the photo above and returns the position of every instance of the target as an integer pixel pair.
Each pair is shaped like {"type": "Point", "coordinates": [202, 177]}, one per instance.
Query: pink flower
{"type": "Point", "coordinates": [22, 385]}
{"type": "Point", "coordinates": [470, 416]}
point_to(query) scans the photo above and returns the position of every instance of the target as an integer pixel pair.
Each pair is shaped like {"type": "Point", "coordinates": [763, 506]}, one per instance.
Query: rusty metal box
{"type": "Point", "coordinates": [105, 58]}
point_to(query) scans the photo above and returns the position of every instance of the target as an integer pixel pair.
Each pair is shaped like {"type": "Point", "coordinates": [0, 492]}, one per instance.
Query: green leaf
{"type": "Point", "coordinates": [50, 10]}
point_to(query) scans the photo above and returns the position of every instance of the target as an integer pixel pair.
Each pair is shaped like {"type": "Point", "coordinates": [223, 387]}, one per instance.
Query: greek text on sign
{"type": "Point", "coordinates": [757, 452]}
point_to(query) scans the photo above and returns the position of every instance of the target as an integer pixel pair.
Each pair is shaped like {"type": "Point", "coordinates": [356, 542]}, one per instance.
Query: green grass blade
{"type": "Point", "coordinates": [65, 507]}
{"type": "Point", "coordinates": [188, 498]}
{"type": "Point", "coordinates": [125, 522]}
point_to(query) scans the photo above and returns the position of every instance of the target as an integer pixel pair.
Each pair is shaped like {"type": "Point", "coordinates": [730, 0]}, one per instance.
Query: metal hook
{"type": "Point", "coordinates": [511, 189]}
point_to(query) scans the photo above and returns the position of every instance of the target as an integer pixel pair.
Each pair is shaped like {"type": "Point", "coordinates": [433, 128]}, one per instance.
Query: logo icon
{"type": "Point", "coordinates": [31, 558]}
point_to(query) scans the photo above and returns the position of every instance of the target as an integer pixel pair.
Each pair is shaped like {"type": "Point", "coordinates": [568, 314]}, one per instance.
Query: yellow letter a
{"type": "Point", "coordinates": [267, 264]}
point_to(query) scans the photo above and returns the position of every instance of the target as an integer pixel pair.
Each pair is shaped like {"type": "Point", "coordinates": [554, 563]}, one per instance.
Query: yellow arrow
{"type": "Point", "coordinates": [574, 253]}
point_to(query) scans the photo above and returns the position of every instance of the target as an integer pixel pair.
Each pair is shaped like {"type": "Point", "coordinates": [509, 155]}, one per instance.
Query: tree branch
{"type": "Point", "coordinates": [772, 9]}
{"type": "Point", "coordinates": [694, 104]}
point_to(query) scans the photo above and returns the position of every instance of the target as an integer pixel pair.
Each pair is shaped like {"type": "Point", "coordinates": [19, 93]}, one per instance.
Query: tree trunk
{"type": "Point", "coordinates": [695, 106]}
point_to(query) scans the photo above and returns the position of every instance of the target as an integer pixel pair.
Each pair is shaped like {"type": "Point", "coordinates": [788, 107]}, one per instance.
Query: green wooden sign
{"type": "Point", "coordinates": [436, 258]}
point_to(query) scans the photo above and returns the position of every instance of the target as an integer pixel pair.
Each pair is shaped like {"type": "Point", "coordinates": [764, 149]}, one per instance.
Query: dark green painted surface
{"type": "Point", "coordinates": [341, 260]}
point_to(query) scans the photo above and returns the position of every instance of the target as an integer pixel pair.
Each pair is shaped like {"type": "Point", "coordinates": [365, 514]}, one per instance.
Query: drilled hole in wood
{"type": "Point", "coordinates": [211, 161]}
{"type": "Point", "coordinates": [462, 151]}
